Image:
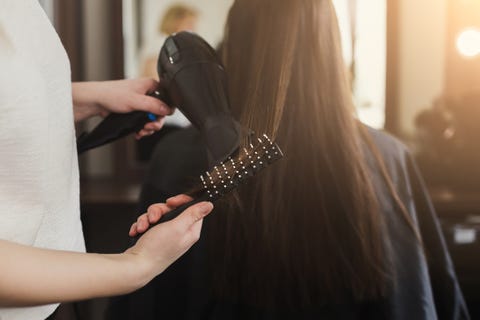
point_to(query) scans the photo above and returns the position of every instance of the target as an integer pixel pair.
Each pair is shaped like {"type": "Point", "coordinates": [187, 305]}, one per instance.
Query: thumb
{"type": "Point", "coordinates": [193, 214]}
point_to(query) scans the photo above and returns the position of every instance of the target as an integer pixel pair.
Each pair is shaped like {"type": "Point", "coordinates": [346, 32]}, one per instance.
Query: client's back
{"type": "Point", "coordinates": [189, 289]}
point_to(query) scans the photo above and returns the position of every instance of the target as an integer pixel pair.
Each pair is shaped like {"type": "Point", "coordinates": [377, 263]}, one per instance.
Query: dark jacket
{"type": "Point", "coordinates": [426, 288]}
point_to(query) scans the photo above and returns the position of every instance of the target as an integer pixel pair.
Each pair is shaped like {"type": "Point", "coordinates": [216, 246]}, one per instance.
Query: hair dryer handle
{"type": "Point", "coordinates": [116, 126]}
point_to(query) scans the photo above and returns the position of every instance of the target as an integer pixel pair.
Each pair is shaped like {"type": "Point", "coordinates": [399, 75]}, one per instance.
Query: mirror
{"type": "Point", "coordinates": [363, 30]}
{"type": "Point", "coordinates": [142, 20]}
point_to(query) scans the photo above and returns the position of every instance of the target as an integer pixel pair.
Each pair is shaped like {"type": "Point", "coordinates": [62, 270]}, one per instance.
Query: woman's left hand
{"type": "Point", "coordinates": [120, 96]}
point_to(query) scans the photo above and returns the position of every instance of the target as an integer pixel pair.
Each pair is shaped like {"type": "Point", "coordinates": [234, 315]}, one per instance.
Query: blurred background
{"type": "Point", "coordinates": [415, 71]}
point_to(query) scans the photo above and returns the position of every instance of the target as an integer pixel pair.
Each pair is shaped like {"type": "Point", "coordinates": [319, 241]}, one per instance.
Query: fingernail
{"type": "Point", "coordinates": [206, 207]}
{"type": "Point", "coordinates": [165, 110]}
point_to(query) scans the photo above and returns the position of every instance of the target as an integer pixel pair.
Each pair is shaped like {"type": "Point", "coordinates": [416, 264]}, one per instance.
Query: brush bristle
{"type": "Point", "coordinates": [224, 177]}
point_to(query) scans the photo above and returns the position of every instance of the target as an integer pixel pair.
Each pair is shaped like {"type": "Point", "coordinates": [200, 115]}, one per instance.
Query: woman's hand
{"type": "Point", "coordinates": [35, 276]}
{"type": "Point", "coordinates": [166, 242]}
{"type": "Point", "coordinates": [119, 96]}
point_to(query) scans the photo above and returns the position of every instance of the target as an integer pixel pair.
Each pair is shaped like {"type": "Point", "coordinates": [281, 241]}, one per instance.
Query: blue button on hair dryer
{"type": "Point", "coordinates": [194, 81]}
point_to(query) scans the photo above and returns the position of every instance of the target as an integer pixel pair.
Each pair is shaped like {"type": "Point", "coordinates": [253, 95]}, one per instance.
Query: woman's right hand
{"type": "Point", "coordinates": [166, 242]}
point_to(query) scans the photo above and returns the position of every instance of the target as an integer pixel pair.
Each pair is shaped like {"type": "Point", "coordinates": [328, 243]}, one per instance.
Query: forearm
{"type": "Point", "coordinates": [85, 100]}
{"type": "Point", "coordinates": [33, 276]}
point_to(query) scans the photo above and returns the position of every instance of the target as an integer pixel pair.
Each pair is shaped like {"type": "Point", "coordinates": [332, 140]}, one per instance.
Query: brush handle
{"type": "Point", "coordinates": [176, 212]}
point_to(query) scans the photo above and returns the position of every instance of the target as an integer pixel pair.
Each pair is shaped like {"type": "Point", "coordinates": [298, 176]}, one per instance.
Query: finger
{"type": "Point", "coordinates": [155, 125]}
{"type": "Point", "coordinates": [142, 223]}
{"type": "Point", "coordinates": [153, 217]}
{"type": "Point", "coordinates": [153, 214]}
{"type": "Point", "coordinates": [133, 230]}
{"type": "Point", "coordinates": [192, 215]}
{"type": "Point", "coordinates": [144, 133]}
{"type": "Point", "coordinates": [153, 105]}
{"type": "Point", "coordinates": [104, 113]}
{"type": "Point", "coordinates": [156, 211]}
{"type": "Point", "coordinates": [159, 209]}
{"type": "Point", "coordinates": [148, 133]}
{"type": "Point", "coordinates": [178, 200]}
{"type": "Point", "coordinates": [151, 84]}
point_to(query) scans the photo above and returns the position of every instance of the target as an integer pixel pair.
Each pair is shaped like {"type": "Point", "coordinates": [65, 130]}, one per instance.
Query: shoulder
{"type": "Point", "coordinates": [393, 154]}
{"type": "Point", "coordinates": [387, 145]}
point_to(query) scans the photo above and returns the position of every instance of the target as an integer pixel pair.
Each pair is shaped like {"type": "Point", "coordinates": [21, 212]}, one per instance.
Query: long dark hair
{"type": "Point", "coordinates": [308, 230]}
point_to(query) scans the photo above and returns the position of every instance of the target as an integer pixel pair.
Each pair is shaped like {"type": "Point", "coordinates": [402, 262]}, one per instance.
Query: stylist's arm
{"type": "Point", "coordinates": [33, 276]}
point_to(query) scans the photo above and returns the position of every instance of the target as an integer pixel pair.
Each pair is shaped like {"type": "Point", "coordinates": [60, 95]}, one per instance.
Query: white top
{"type": "Point", "coordinates": [39, 183]}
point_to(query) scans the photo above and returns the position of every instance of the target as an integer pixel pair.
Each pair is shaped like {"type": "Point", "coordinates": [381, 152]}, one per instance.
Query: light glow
{"type": "Point", "coordinates": [468, 42]}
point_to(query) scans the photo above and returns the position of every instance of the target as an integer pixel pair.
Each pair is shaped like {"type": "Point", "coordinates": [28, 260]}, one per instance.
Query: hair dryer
{"type": "Point", "coordinates": [192, 80]}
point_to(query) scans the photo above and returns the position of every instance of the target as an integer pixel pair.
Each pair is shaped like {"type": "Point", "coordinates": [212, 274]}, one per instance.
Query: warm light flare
{"type": "Point", "coordinates": [468, 42]}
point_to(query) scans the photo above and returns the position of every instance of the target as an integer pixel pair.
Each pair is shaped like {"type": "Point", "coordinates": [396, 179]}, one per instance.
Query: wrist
{"type": "Point", "coordinates": [86, 100]}
{"type": "Point", "coordinates": [139, 269]}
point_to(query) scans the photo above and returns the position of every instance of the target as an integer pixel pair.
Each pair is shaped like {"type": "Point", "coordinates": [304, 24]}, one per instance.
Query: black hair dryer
{"type": "Point", "coordinates": [192, 80]}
